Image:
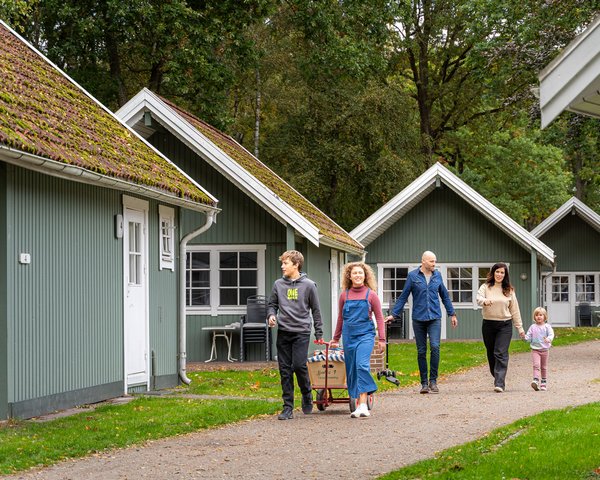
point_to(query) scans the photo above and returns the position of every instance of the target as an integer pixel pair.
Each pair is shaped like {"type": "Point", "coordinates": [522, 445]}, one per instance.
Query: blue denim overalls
{"type": "Point", "coordinates": [358, 333]}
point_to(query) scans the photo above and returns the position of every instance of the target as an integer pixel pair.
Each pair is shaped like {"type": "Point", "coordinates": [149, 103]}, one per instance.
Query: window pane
{"type": "Point", "coordinates": [394, 280]}
{"type": "Point", "coordinates": [228, 260]}
{"type": "Point", "coordinates": [248, 260]}
{"type": "Point", "coordinates": [228, 296]}
{"type": "Point", "coordinates": [248, 278]}
{"type": "Point", "coordinates": [460, 284]}
{"type": "Point", "coordinates": [245, 293]}
{"type": "Point", "coordinates": [200, 279]}
{"type": "Point", "coordinates": [228, 278]}
{"type": "Point", "coordinates": [453, 273]}
{"type": "Point", "coordinates": [200, 297]}
{"type": "Point", "coordinates": [200, 260]}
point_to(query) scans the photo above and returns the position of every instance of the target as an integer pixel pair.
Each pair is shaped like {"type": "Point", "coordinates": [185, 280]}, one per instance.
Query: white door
{"type": "Point", "coordinates": [558, 299]}
{"type": "Point", "coordinates": [136, 328]}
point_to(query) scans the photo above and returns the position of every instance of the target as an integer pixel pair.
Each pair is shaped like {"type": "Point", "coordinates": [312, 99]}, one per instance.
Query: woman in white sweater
{"type": "Point", "coordinates": [500, 313]}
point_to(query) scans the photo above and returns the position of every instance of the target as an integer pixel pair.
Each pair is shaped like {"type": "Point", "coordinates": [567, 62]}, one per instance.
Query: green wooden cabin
{"type": "Point", "coordinates": [441, 213]}
{"type": "Point", "coordinates": [262, 216]}
{"type": "Point", "coordinates": [88, 215]}
{"type": "Point", "coordinates": [573, 232]}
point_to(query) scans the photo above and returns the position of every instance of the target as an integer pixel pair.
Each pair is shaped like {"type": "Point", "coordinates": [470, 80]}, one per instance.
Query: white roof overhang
{"type": "Point", "coordinates": [572, 80]}
{"type": "Point", "coordinates": [404, 201]}
{"type": "Point", "coordinates": [132, 113]}
{"type": "Point", "coordinates": [572, 206]}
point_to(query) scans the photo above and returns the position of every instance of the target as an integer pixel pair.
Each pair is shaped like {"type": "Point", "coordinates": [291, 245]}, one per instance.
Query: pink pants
{"type": "Point", "coordinates": [540, 362]}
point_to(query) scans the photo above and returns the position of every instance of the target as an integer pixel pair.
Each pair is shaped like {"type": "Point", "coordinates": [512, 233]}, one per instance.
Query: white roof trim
{"type": "Point", "coordinates": [572, 80]}
{"type": "Point", "coordinates": [106, 110]}
{"type": "Point", "coordinates": [82, 175]}
{"type": "Point", "coordinates": [573, 205]}
{"type": "Point", "coordinates": [145, 100]}
{"type": "Point", "coordinates": [397, 207]}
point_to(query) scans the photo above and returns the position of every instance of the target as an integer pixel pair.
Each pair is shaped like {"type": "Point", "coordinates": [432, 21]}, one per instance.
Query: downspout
{"type": "Point", "coordinates": [210, 219]}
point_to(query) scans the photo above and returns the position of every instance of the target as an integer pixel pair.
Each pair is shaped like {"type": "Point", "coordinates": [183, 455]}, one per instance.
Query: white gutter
{"type": "Point", "coordinates": [210, 219]}
{"type": "Point", "coordinates": [79, 174]}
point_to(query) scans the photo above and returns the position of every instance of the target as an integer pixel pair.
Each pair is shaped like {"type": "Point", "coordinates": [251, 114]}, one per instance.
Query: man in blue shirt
{"type": "Point", "coordinates": [426, 285]}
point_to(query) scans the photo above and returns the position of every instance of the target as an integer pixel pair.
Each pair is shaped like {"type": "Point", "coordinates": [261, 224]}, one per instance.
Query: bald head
{"type": "Point", "coordinates": [428, 262]}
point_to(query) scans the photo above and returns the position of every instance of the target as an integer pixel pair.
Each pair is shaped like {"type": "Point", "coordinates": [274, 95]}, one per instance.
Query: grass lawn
{"type": "Point", "coordinates": [552, 445]}
{"type": "Point", "coordinates": [24, 444]}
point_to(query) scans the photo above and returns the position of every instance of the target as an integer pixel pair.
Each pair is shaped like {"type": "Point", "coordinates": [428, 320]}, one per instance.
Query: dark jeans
{"type": "Point", "coordinates": [496, 338]}
{"type": "Point", "coordinates": [433, 329]}
{"type": "Point", "coordinates": [292, 352]}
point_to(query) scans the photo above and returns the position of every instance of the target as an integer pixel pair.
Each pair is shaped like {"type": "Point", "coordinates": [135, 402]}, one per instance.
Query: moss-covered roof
{"type": "Point", "coordinates": [327, 227]}
{"type": "Point", "coordinates": [44, 113]}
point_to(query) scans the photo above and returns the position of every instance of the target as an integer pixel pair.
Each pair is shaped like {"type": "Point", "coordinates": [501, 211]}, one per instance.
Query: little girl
{"type": "Point", "coordinates": [540, 335]}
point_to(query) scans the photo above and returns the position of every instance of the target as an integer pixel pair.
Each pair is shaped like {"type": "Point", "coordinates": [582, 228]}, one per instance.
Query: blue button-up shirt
{"type": "Point", "coordinates": [426, 296]}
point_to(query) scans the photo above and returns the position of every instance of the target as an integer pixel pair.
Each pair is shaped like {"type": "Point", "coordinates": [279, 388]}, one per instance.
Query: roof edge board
{"type": "Point", "coordinates": [580, 208]}
{"type": "Point", "coordinates": [467, 193]}
{"type": "Point", "coordinates": [191, 137]}
{"type": "Point", "coordinates": [82, 175]}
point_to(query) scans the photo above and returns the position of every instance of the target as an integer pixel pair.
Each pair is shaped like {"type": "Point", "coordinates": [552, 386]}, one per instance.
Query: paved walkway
{"type": "Point", "coordinates": [405, 427]}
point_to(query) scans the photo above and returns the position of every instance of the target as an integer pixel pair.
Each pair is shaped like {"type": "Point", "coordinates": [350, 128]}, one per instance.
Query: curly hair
{"type": "Point", "coordinates": [370, 280]}
{"type": "Point", "coordinates": [507, 288]}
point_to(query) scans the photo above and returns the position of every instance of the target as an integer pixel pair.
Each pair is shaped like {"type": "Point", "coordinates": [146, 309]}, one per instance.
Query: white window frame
{"type": "Point", "coordinates": [475, 276]}
{"type": "Point", "coordinates": [166, 234]}
{"type": "Point", "coordinates": [214, 308]}
{"type": "Point", "coordinates": [594, 283]}
{"type": "Point", "coordinates": [443, 269]}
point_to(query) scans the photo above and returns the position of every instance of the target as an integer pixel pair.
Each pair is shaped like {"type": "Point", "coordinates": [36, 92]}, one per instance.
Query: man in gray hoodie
{"type": "Point", "coordinates": [293, 299]}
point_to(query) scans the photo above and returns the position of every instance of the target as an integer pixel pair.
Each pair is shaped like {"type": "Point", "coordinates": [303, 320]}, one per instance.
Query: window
{"type": "Point", "coordinates": [462, 281]}
{"type": "Point", "coordinates": [198, 279]}
{"type": "Point", "coordinates": [460, 284]}
{"type": "Point", "coordinates": [238, 277]}
{"type": "Point", "coordinates": [221, 279]}
{"type": "Point", "coordinates": [166, 239]}
{"type": "Point", "coordinates": [585, 288]}
{"type": "Point", "coordinates": [135, 253]}
{"type": "Point", "coordinates": [560, 288]}
{"type": "Point", "coordinates": [394, 279]}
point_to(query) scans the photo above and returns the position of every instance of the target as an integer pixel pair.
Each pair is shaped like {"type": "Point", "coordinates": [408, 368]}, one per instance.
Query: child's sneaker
{"type": "Point", "coordinates": [535, 385]}
{"type": "Point", "coordinates": [543, 386]}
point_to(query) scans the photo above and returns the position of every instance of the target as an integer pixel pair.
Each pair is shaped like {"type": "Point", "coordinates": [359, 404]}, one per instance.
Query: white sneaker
{"type": "Point", "coordinates": [361, 411]}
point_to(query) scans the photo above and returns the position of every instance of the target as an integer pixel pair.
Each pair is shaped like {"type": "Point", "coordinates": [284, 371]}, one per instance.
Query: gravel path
{"type": "Point", "coordinates": [405, 427]}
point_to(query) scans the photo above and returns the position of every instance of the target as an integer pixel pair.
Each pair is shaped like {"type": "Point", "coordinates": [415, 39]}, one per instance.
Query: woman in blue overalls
{"type": "Point", "coordinates": [358, 302]}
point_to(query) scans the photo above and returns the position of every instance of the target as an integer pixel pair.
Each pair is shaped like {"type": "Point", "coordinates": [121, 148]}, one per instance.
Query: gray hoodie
{"type": "Point", "coordinates": [293, 301]}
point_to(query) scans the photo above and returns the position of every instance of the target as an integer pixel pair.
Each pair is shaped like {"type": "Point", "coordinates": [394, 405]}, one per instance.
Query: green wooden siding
{"type": "Point", "coordinates": [3, 300]}
{"type": "Point", "coordinates": [458, 234]}
{"type": "Point", "coordinates": [65, 330]}
{"type": "Point", "coordinates": [163, 306]}
{"type": "Point", "coordinates": [241, 222]}
{"type": "Point", "coordinates": [575, 244]}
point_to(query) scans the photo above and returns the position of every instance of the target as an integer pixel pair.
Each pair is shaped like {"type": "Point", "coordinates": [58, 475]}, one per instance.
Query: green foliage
{"type": "Point", "coordinates": [553, 444]}
{"type": "Point", "coordinates": [517, 173]}
{"type": "Point", "coordinates": [28, 444]}
{"type": "Point", "coordinates": [347, 101]}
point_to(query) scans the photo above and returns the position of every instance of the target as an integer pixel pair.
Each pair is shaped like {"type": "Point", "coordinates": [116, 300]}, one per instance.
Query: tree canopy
{"type": "Point", "coordinates": [350, 100]}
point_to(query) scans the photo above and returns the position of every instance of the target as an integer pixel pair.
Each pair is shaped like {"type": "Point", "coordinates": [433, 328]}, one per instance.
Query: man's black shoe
{"type": "Point", "coordinates": [424, 388]}
{"type": "Point", "coordinates": [307, 403]}
{"type": "Point", "coordinates": [287, 414]}
{"type": "Point", "coordinates": [433, 388]}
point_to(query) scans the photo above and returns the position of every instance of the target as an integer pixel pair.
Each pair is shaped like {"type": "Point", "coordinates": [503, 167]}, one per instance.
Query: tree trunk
{"type": "Point", "coordinates": [257, 115]}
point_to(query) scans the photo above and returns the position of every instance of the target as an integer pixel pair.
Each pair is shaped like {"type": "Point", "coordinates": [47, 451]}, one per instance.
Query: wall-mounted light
{"type": "Point", "coordinates": [118, 226]}
{"type": "Point", "coordinates": [523, 276]}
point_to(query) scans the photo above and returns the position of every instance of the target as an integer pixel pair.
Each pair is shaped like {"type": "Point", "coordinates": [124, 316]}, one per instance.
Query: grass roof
{"type": "Point", "coordinates": [44, 113]}
{"type": "Point", "coordinates": [327, 227]}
